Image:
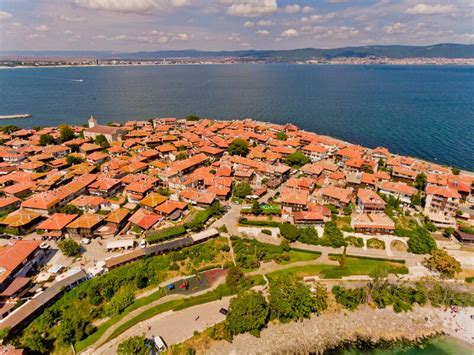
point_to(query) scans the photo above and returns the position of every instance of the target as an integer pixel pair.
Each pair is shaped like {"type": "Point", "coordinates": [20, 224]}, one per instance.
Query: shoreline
{"type": "Point", "coordinates": [240, 63]}
{"type": "Point", "coordinates": [334, 330]}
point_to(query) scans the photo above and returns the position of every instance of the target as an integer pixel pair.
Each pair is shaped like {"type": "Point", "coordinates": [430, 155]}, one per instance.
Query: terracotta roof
{"type": "Point", "coordinates": [118, 215]}
{"type": "Point", "coordinates": [13, 255]}
{"type": "Point", "coordinates": [86, 221]}
{"type": "Point", "coordinates": [398, 187]}
{"type": "Point", "coordinates": [144, 219]}
{"type": "Point", "coordinates": [294, 196]}
{"type": "Point", "coordinates": [170, 206]}
{"type": "Point", "coordinates": [153, 199]}
{"type": "Point", "coordinates": [57, 221]}
{"type": "Point", "coordinates": [340, 194]}
{"type": "Point", "coordinates": [442, 191]}
{"type": "Point", "coordinates": [20, 218]}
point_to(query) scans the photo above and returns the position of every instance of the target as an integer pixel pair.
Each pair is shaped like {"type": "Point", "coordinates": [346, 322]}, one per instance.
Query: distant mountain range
{"type": "Point", "coordinates": [442, 50]}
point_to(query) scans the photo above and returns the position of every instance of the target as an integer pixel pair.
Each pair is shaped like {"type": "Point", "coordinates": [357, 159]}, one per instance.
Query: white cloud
{"type": "Point", "coordinates": [137, 6]}
{"type": "Point", "coordinates": [5, 15]}
{"type": "Point", "coordinates": [264, 23]}
{"type": "Point", "coordinates": [248, 24]}
{"type": "Point", "coordinates": [42, 28]}
{"type": "Point", "coordinates": [396, 28]}
{"type": "Point", "coordinates": [291, 32]}
{"type": "Point", "coordinates": [307, 9]}
{"type": "Point", "coordinates": [252, 8]}
{"type": "Point", "coordinates": [368, 28]}
{"type": "Point", "coordinates": [292, 9]}
{"type": "Point", "coordinates": [318, 18]}
{"type": "Point", "coordinates": [71, 19]}
{"type": "Point", "coordinates": [163, 39]}
{"type": "Point", "coordinates": [428, 9]}
{"type": "Point", "coordinates": [263, 33]}
{"type": "Point", "coordinates": [182, 37]}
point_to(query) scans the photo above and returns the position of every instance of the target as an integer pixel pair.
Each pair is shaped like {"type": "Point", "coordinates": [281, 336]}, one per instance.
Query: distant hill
{"type": "Point", "coordinates": [442, 50]}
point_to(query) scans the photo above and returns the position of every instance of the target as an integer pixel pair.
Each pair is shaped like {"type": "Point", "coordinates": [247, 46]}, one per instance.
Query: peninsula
{"type": "Point", "coordinates": [190, 232]}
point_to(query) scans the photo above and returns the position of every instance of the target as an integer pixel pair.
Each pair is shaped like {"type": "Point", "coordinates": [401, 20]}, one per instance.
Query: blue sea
{"type": "Point", "coordinates": [422, 111]}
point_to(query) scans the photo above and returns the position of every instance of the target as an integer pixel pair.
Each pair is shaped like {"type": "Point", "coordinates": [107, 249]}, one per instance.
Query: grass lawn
{"type": "Point", "coordinates": [300, 255]}
{"type": "Point", "coordinates": [354, 266]}
{"type": "Point", "coordinates": [343, 222]}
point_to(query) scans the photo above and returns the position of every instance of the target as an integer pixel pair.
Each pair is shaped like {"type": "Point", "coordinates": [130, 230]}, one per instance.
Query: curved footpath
{"type": "Point", "coordinates": [331, 329]}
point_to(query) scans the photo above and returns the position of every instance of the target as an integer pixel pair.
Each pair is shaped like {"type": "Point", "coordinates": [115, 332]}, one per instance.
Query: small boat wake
{"type": "Point", "coordinates": [78, 80]}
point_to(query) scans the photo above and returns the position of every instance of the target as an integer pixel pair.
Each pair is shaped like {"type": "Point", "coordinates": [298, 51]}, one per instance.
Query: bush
{"type": "Point", "coordinates": [238, 147]}
{"type": "Point", "coordinates": [375, 243]}
{"type": "Point", "coordinates": [400, 297]}
{"type": "Point", "coordinates": [333, 236]}
{"type": "Point", "coordinates": [258, 223]}
{"type": "Point", "coordinates": [421, 242]}
{"type": "Point", "coordinates": [163, 234]}
{"type": "Point", "coordinates": [355, 241]}
{"type": "Point", "coordinates": [266, 231]}
{"type": "Point", "coordinates": [308, 235]}
{"type": "Point", "coordinates": [241, 190]}
{"type": "Point", "coordinates": [135, 345]}
{"type": "Point", "coordinates": [119, 302]}
{"type": "Point", "coordinates": [289, 232]}
{"type": "Point", "coordinates": [350, 298]}
{"type": "Point", "coordinates": [441, 261]}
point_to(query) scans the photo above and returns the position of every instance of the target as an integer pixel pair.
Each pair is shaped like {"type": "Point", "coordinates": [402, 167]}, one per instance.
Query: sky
{"type": "Point", "coordinates": [150, 25]}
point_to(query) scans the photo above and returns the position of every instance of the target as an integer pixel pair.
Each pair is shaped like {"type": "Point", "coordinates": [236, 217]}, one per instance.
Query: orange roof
{"type": "Point", "coordinates": [398, 187]}
{"type": "Point", "coordinates": [13, 255]}
{"type": "Point", "coordinates": [294, 196]}
{"type": "Point", "coordinates": [118, 215]}
{"type": "Point", "coordinates": [20, 218]}
{"type": "Point", "coordinates": [87, 201]}
{"type": "Point", "coordinates": [7, 201]}
{"type": "Point", "coordinates": [57, 221]}
{"type": "Point", "coordinates": [20, 187]}
{"type": "Point", "coordinates": [442, 191]}
{"type": "Point", "coordinates": [153, 199]}
{"type": "Point", "coordinates": [104, 184]}
{"type": "Point", "coordinates": [340, 194]}
{"type": "Point", "coordinates": [144, 219]}
{"type": "Point", "coordinates": [370, 197]}
{"type": "Point", "coordinates": [170, 206]}
{"type": "Point", "coordinates": [97, 156]}
{"type": "Point", "coordinates": [87, 220]}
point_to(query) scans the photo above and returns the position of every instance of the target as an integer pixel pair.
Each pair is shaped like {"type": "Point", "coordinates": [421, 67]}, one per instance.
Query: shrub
{"type": "Point", "coordinates": [441, 261]}
{"type": "Point", "coordinates": [69, 247]}
{"type": "Point", "coordinates": [350, 298]}
{"type": "Point", "coordinates": [289, 232]}
{"type": "Point", "coordinates": [266, 231]}
{"type": "Point", "coordinates": [248, 312]}
{"type": "Point", "coordinates": [163, 234]}
{"type": "Point", "coordinates": [355, 241]}
{"type": "Point", "coordinates": [421, 241]}
{"type": "Point", "coordinates": [375, 243]}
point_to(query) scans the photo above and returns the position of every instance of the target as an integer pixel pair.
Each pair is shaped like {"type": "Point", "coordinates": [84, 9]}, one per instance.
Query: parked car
{"type": "Point", "coordinates": [44, 246]}
{"type": "Point", "coordinates": [223, 311]}
{"type": "Point", "coordinates": [159, 344]}
{"type": "Point", "coordinates": [85, 241]}
{"type": "Point", "coordinates": [143, 243]}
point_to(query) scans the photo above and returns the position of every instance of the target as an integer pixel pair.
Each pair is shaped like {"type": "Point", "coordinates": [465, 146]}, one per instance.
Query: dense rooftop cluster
{"type": "Point", "coordinates": [117, 180]}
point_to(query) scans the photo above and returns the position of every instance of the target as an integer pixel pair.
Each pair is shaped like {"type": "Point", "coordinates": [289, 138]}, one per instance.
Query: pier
{"type": "Point", "coordinates": [10, 117]}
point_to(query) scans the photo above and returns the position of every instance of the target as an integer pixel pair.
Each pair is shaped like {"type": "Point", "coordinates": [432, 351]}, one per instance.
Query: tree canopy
{"type": "Point", "coordinates": [238, 147]}
{"type": "Point", "coordinates": [135, 345]}
{"type": "Point", "coordinates": [46, 139]}
{"type": "Point", "coordinates": [421, 241]}
{"type": "Point", "coordinates": [102, 141]}
{"type": "Point", "coordinates": [441, 261]}
{"type": "Point", "coordinates": [69, 247]}
{"type": "Point", "coordinates": [289, 232]}
{"type": "Point", "coordinates": [248, 312]}
{"type": "Point", "coordinates": [333, 236]}
{"type": "Point", "coordinates": [65, 133]}
{"type": "Point", "coordinates": [291, 299]}
{"type": "Point", "coordinates": [297, 159]}
{"type": "Point", "coordinates": [241, 190]}
{"type": "Point", "coordinates": [281, 136]}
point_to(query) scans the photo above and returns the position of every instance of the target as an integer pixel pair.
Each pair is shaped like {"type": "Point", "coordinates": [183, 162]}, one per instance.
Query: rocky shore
{"type": "Point", "coordinates": [330, 330]}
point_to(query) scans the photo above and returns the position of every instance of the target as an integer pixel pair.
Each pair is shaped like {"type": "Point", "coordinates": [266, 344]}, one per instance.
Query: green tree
{"type": "Point", "coordinates": [8, 129]}
{"type": "Point", "coordinates": [420, 181]}
{"type": "Point", "coordinates": [35, 342]}
{"type": "Point", "coordinates": [69, 247]}
{"type": "Point", "coordinates": [70, 209]}
{"type": "Point", "coordinates": [333, 235]}
{"type": "Point", "coordinates": [421, 241]}
{"type": "Point", "coordinates": [456, 171]}
{"type": "Point", "coordinates": [241, 190]}
{"type": "Point", "coordinates": [74, 159]}
{"type": "Point", "coordinates": [297, 159]}
{"type": "Point", "coordinates": [248, 312]}
{"type": "Point", "coordinates": [291, 299]}
{"type": "Point", "coordinates": [119, 302]}
{"type": "Point", "coordinates": [181, 156]}
{"type": "Point", "coordinates": [238, 147]}
{"type": "Point", "coordinates": [415, 199]}
{"type": "Point", "coordinates": [46, 139]}
{"type": "Point", "coordinates": [102, 141]}
{"type": "Point", "coordinates": [448, 232]}
{"type": "Point", "coordinates": [289, 232]}
{"type": "Point", "coordinates": [281, 136]}
{"type": "Point", "coordinates": [192, 118]}
{"type": "Point", "coordinates": [441, 261]}
{"type": "Point", "coordinates": [308, 235]}
{"type": "Point", "coordinates": [350, 298]}
{"type": "Point", "coordinates": [135, 345]}
{"type": "Point", "coordinates": [235, 279]}
{"type": "Point", "coordinates": [256, 208]}
{"type": "Point", "coordinates": [65, 133]}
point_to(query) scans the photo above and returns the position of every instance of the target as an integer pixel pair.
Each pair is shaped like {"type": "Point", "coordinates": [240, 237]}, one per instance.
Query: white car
{"type": "Point", "coordinates": [159, 344]}
{"type": "Point", "coordinates": [143, 243]}
{"type": "Point", "coordinates": [85, 241]}
{"type": "Point", "coordinates": [44, 245]}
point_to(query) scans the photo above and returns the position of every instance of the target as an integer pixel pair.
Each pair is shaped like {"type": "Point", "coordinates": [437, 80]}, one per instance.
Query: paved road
{"type": "Point", "coordinates": [173, 327]}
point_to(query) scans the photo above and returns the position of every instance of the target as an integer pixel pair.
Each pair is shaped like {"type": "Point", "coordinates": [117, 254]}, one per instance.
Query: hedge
{"type": "Point", "coordinates": [369, 258]}
{"type": "Point", "coordinates": [159, 235]}
{"type": "Point", "coordinates": [247, 222]}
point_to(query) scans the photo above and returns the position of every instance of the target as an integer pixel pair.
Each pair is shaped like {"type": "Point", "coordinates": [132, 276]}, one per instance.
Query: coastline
{"type": "Point", "coordinates": [238, 63]}
{"type": "Point", "coordinates": [331, 330]}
